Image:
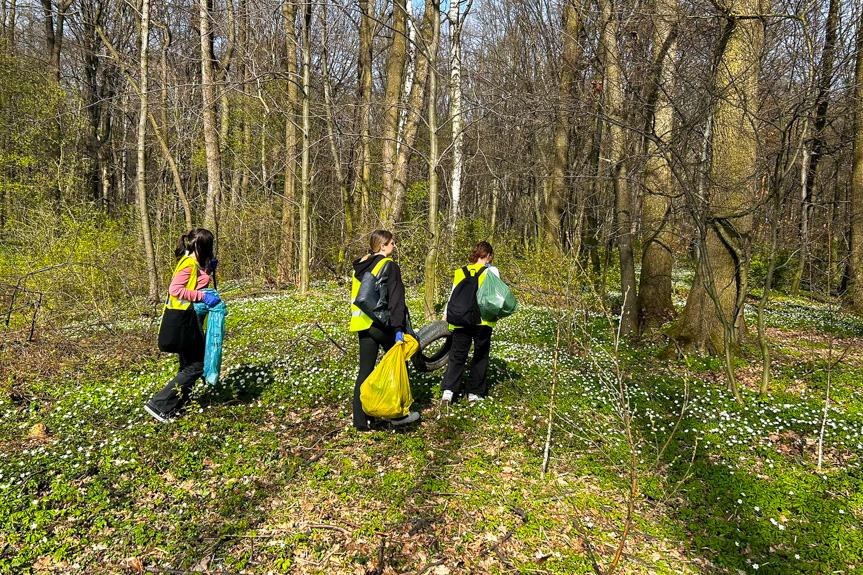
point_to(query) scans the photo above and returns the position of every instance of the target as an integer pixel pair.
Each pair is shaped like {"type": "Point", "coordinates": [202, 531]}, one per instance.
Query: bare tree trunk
{"type": "Point", "coordinates": [363, 170]}
{"type": "Point", "coordinates": [54, 37]}
{"type": "Point", "coordinates": [654, 294]}
{"type": "Point", "coordinates": [305, 238]}
{"type": "Point", "coordinates": [431, 258]}
{"type": "Point", "coordinates": [811, 160]}
{"type": "Point", "coordinates": [557, 190]}
{"type": "Point", "coordinates": [287, 252]}
{"type": "Point", "coordinates": [141, 170]}
{"type": "Point", "coordinates": [348, 228]}
{"type": "Point", "coordinates": [714, 309]}
{"type": "Point", "coordinates": [395, 74]}
{"type": "Point", "coordinates": [428, 46]}
{"type": "Point", "coordinates": [854, 295]}
{"type": "Point", "coordinates": [456, 19]}
{"type": "Point", "coordinates": [211, 134]}
{"type": "Point", "coordinates": [613, 110]}
{"type": "Point", "coordinates": [495, 198]}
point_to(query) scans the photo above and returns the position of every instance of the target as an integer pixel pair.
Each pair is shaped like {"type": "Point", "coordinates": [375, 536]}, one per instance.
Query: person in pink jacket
{"type": "Point", "coordinates": [180, 331]}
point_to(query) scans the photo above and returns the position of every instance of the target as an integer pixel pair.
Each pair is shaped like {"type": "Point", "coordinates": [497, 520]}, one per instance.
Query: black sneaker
{"type": "Point", "coordinates": [157, 415]}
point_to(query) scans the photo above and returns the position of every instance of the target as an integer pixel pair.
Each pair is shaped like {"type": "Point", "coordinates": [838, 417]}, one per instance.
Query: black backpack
{"type": "Point", "coordinates": [462, 309]}
{"type": "Point", "coordinates": [373, 295]}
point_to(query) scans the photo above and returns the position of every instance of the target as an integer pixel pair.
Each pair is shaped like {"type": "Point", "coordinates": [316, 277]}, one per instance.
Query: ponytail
{"type": "Point", "coordinates": [198, 242]}
{"type": "Point", "coordinates": [181, 246]}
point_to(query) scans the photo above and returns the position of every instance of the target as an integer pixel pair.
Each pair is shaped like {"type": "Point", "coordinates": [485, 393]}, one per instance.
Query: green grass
{"type": "Point", "coordinates": [265, 475]}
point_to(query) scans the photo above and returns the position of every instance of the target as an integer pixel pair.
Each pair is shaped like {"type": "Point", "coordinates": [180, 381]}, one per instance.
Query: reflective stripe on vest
{"type": "Point", "coordinates": [172, 302]}
{"type": "Point", "coordinates": [359, 319]}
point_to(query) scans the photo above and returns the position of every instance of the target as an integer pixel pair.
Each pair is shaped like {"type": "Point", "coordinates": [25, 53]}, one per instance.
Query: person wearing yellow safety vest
{"type": "Point", "coordinates": [372, 334]}
{"type": "Point", "coordinates": [463, 336]}
{"type": "Point", "coordinates": [179, 331]}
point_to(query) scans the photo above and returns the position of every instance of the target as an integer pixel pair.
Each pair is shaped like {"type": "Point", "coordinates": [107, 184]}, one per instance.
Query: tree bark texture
{"type": "Point", "coordinates": [654, 294]}
{"type": "Point", "coordinates": [554, 202]}
{"type": "Point", "coordinates": [717, 294]}
{"type": "Point", "coordinates": [431, 257]}
{"type": "Point", "coordinates": [395, 75]}
{"type": "Point", "coordinates": [288, 246]}
{"type": "Point", "coordinates": [854, 295]}
{"type": "Point", "coordinates": [616, 166]}
{"type": "Point", "coordinates": [141, 169]}
{"type": "Point", "coordinates": [305, 174]}
{"type": "Point", "coordinates": [208, 114]}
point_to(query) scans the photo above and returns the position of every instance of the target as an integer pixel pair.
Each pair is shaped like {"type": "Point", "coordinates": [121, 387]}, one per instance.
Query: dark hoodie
{"type": "Point", "coordinates": [395, 288]}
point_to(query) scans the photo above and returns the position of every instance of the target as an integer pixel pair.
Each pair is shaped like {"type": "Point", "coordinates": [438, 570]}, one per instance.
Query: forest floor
{"type": "Point", "coordinates": [265, 474]}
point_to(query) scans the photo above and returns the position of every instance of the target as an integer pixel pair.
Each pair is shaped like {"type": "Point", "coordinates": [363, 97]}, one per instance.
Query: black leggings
{"type": "Point", "coordinates": [371, 340]}
{"type": "Point", "coordinates": [174, 396]}
{"type": "Point", "coordinates": [462, 337]}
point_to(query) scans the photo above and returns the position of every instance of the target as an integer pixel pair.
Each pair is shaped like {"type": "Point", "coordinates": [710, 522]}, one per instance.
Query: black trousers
{"type": "Point", "coordinates": [175, 395]}
{"type": "Point", "coordinates": [371, 340]}
{"type": "Point", "coordinates": [462, 337]}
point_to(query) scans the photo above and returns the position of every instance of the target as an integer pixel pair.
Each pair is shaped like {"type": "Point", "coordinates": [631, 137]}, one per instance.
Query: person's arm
{"type": "Point", "coordinates": [178, 286]}
{"type": "Point", "coordinates": [203, 279]}
{"type": "Point", "coordinates": [396, 291]}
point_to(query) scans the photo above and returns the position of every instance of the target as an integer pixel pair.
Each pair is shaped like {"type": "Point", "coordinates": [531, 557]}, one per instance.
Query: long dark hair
{"type": "Point", "coordinates": [198, 242]}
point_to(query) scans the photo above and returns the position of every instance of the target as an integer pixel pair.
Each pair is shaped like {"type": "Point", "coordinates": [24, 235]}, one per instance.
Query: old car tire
{"type": "Point", "coordinates": [427, 335]}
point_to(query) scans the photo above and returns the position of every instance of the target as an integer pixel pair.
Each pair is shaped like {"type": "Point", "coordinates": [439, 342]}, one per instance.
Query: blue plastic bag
{"type": "Point", "coordinates": [214, 334]}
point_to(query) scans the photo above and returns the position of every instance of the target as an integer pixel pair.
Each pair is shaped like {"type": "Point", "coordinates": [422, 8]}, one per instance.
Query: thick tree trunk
{"type": "Point", "coordinates": [654, 294]}
{"type": "Point", "coordinates": [854, 295]}
{"type": "Point", "coordinates": [395, 75]}
{"type": "Point", "coordinates": [431, 257]}
{"type": "Point", "coordinates": [714, 309]}
{"type": "Point", "coordinates": [560, 152]}
{"type": "Point", "coordinates": [305, 236]}
{"type": "Point", "coordinates": [613, 110]}
{"type": "Point", "coordinates": [428, 45]}
{"type": "Point", "coordinates": [208, 113]}
{"type": "Point", "coordinates": [141, 173]}
{"type": "Point", "coordinates": [287, 251]}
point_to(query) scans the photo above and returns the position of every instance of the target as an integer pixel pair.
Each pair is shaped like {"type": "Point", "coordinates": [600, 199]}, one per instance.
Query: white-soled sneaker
{"type": "Point", "coordinates": [408, 419]}
{"type": "Point", "coordinates": [446, 399]}
{"type": "Point", "coordinates": [157, 415]}
{"type": "Point", "coordinates": [471, 398]}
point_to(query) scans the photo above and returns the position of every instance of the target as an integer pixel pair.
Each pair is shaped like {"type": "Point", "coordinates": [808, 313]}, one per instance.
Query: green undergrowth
{"type": "Point", "coordinates": [265, 475]}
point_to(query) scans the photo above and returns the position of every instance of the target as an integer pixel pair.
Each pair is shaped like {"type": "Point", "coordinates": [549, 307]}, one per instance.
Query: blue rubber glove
{"type": "Point", "coordinates": [211, 299]}
{"type": "Point", "coordinates": [211, 267]}
{"type": "Point", "coordinates": [400, 337]}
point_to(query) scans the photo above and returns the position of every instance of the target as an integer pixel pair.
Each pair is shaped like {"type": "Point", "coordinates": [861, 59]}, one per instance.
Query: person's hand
{"type": "Point", "coordinates": [211, 299]}
{"type": "Point", "coordinates": [211, 267]}
{"type": "Point", "coordinates": [400, 337]}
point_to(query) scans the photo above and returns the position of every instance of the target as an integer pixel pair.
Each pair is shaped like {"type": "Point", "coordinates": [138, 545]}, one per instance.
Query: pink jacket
{"type": "Point", "coordinates": [179, 281]}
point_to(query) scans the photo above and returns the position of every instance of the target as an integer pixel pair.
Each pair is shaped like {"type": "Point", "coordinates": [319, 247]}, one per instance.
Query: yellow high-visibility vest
{"type": "Point", "coordinates": [187, 261]}
{"type": "Point", "coordinates": [457, 278]}
{"type": "Point", "coordinates": [359, 319]}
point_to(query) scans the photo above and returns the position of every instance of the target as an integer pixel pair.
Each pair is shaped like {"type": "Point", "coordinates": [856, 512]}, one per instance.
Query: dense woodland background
{"type": "Point", "coordinates": [647, 170]}
{"type": "Point", "coordinates": [627, 136]}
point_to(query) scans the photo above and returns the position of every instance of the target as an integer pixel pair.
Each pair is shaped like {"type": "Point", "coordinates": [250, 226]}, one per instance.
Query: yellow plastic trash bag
{"type": "Point", "coordinates": [386, 392]}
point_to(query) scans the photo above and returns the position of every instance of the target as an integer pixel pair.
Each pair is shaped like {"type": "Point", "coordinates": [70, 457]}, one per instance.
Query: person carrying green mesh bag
{"type": "Point", "coordinates": [470, 327]}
